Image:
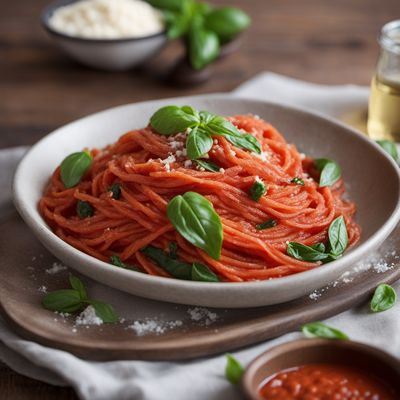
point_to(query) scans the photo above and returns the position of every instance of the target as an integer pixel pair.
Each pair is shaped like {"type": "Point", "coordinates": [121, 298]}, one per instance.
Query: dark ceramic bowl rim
{"type": "Point", "coordinates": [49, 10]}
{"type": "Point", "coordinates": [370, 351]}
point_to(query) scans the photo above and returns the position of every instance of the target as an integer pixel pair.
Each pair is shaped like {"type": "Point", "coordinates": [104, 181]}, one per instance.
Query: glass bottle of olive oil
{"type": "Point", "coordinates": [384, 103]}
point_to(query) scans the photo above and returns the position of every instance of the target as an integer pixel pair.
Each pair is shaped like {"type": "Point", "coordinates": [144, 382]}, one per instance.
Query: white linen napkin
{"type": "Point", "coordinates": [201, 378]}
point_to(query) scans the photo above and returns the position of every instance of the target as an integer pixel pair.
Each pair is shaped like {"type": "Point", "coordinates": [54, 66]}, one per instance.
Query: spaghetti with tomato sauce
{"type": "Point", "coordinates": [150, 169]}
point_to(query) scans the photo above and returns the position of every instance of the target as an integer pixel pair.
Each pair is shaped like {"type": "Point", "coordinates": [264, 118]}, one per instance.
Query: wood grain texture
{"type": "Point", "coordinates": [41, 89]}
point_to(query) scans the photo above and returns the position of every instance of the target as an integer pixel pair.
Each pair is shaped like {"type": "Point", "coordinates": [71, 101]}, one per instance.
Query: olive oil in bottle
{"type": "Point", "coordinates": [384, 102]}
{"type": "Point", "coordinates": [384, 110]}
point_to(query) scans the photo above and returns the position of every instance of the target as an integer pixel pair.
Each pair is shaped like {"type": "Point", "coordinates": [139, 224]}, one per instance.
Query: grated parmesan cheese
{"type": "Point", "coordinates": [107, 19]}
{"type": "Point", "coordinates": [88, 317]}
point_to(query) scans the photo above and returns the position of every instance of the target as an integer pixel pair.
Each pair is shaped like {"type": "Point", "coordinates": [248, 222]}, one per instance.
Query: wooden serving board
{"type": "Point", "coordinates": [200, 332]}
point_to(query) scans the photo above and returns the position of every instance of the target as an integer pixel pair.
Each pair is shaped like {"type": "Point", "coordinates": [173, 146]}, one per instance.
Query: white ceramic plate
{"type": "Point", "coordinates": [373, 183]}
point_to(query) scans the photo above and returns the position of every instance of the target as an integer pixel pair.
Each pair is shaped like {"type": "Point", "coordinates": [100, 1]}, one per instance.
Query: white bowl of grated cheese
{"type": "Point", "coordinates": [106, 34]}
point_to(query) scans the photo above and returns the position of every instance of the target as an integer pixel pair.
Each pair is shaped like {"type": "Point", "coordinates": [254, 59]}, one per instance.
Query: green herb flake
{"type": "Point", "coordinates": [84, 209]}
{"type": "Point", "coordinates": [74, 167]}
{"type": "Point", "coordinates": [115, 190]}
{"type": "Point", "coordinates": [172, 250]}
{"type": "Point", "coordinates": [208, 166]}
{"type": "Point", "coordinates": [297, 181]}
{"type": "Point", "coordinates": [319, 329]}
{"type": "Point", "coordinates": [330, 171]}
{"type": "Point", "coordinates": [257, 190]}
{"type": "Point", "coordinates": [390, 148]}
{"type": "Point", "coordinates": [116, 260]}
{"type": "Point", "coordinates": [233, 369]}
{"type": "Point", "coordinates": [270, 223]}
{"type": "Point", "coordinates": [194, 217]}
{"type": "Point", "coordinates": [384, 298]}
{"type": "Point", "coordinates": [201, 272]}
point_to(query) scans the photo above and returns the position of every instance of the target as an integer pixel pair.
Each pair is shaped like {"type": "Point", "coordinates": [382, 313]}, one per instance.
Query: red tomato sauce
{"type": "Point", "coordinates": [326, 382]}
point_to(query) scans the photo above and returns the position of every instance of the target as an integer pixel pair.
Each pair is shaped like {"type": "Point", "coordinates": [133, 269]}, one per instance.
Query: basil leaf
{"type": "Point", "coordinates": [74, 167]}
{"type": "Point", "coordinates": [270, 223]}
{"type": "Point", "coordinates": [227, 22]}
{"type": "Point", "coordinates": [84, 209]}
{"type": "Point", "coordinates": [338, 238]}
{"type": "Point", "coordinates": [208, 166]}
{"type": "Point", "coordinates": [220, 126]}
{"type": "Point", "coordinates": [77, 285]}
{"type": "Point", "coordinates": [178, 25]}
{"type": "Point", "coordinates": [390, 148]}
{"type": "Point", "coordinates": [203, 47]}
{"type": "Point", "coordinates": [319, 247]}
{"type": "Point", "coordinates": [115, 189]}
{"type": "Point", "coordinates": [206, 117]}
{"type": "Point", "coordinates": [384, 298]}
{"type": "Point", "coordinates": [319, 329]}
{"type": "Point", "coordinates": [304, 253]}
{"type": "Point", "coordinates": [297, 181]}
{"type": "Point", "coordinates": [175, 268]}
{"type": "Point", "coordinates": [330, 171]}
{"type": "Point", "coordinates": [173, 248]}
{"type": "Point", "coordinates": [257, 190]}
{"type": "Point", "coordinates": [198, 143]}
{"type": "Point", "coordinates": [65, 300]}
{"type": "Point", "coordinates": [194, 217]}
{"type": "Point", "coordinates": [171, 5]}
{"type": "Point", "coordinates": [233, 369]}
{"type": "Point", "coordinates": [104, 311]}
{"type": "Point", "coordinates": [201, 272]}
{"type": "Point", "coordinates": [116, 260]}
{"type": "Point", "coordinates": [172, 119]}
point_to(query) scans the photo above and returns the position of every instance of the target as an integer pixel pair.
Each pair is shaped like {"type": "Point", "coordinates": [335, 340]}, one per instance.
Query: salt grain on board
{"type": "Point", "coordinates": [201, 314]}
{"type": "Point", "coordinates": [154, 326]}
{"type": "Point", "coordinates": [88, 317]}
{"type": "Point", "coordinates": [56, 268]}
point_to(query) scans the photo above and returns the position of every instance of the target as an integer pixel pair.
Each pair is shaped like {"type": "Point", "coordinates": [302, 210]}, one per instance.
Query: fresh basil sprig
{"type": "Point", "coordinates": [73, 167]}
{"type": "Point", "coordinates": [198, 143]}
{"type": "Point", "coordinates": [319, 329]}
{"type": "Point", "coordinates": [76, 299]}
{"type": "Point", "coordinates": [390, 148]}
{"type": "Point", "coordinates": [384, 298]}
{"type": "Point", "coordinates": [269, 223]}
{"type": "Point", "coordinates": [297, 181]}
{"type": "Point", "coordinates": [171, 120]}
{"type": "Point", "coordinates": [179, 269]}
{"type": "Point", "coordinates": [337, 244]}
{"type": "Point", "coordinates": [330, 171]}
{"type": "Point", "coordinates": [257, 190]}
{"type": "Point", "coordinates": [194, 217]}
{"type": "Point", "coordinates": [84, 209]}
{"type": "Point", "coordinates": [116, 260]}
{"type": "Point", "coordinates": [233, 369]}
{"type": "Point", "coordinates": [208, 166]}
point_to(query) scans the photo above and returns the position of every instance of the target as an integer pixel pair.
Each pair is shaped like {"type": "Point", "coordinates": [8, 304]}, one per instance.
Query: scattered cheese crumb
{"type": "Point", "coordinates": [56, 268]}
{"type": "Point", "coordinates": [88, 317]}
{"type": "Point", "coordinates": [153, 326]}
{"type": "Point", "coordinates": [201, 314]}
{"type": "Point", "coordinates": [222, 170]}
{"type": "Point", "coordinates": [187, 163]}
{"type": "Point", "coordinates": [43, 289]}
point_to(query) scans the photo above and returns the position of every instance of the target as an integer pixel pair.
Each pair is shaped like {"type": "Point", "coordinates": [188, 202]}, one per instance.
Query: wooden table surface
{"type": "Point", "coordinates": [41, 89]}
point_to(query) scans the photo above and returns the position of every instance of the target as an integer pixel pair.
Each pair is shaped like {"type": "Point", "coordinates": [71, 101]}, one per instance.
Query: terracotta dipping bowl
{"type": "Point", "coordinates": [309, 351]}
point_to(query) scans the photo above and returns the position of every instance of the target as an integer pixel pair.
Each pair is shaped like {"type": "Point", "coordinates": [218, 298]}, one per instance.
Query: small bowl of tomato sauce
{"type": "Point", "coordinates": [321, 369]}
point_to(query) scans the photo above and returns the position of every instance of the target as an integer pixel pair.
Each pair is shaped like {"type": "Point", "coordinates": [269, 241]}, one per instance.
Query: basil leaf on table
{"type": "Point", "coordinates": [170, 120]}
{"type": "Point", "coordinates": [297, 181]}
{"type": "Point", "coordinates": [270, 223]}
{"type": "Point", "coordinates": [73, 168]}
{"type": "Point", "coordinates": [115, 190]}
{"type": "Point", "coordinates": [330, 171]}
{"type": "Point", "coordinates": [390, 148]}
{"type": "Point", "coordinates": [257, 190]}
{"type": "Point", "coordinates": [305, 253]}
{"type": "Point", "coordinates": [194, 217]}
{"type": "Point", "coordinates": [233, 369]}
{"type": "Point", "coordinates": [384, 298]}
{"type": "Point", "coordinates": [208, 165]}
{"type": "Point", "coordinates": [203, 47]}
{"type": "Point", "coordinates": [104, 311]}
{"type": "Point", "coordinates": [78, 285]}
{"type": "Point", "coordinates": [319, 329]}
{"type": "Point", "coordinates": [198, 143]}
{"type": "Point", "coordinates": [227, 22]}
{"type": "Point", "coordinates": [116, 260]}
{"type": "Point", "coordinates": [201, 272]}
{"type": "Point", "coordinates": [338, 238]}
{"type": "Point", "coordinates": [84, 209]}
{"type": "Point", "coordinates": [178, 25]}
{"type": "Point", "coordinates": [64, 300]}
{"type": "Point", "coordinates": [176, 268]}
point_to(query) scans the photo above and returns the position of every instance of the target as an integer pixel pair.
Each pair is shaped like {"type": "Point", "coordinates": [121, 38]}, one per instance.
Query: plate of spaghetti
{"type": "Point", "coordinates": [209, 200]}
